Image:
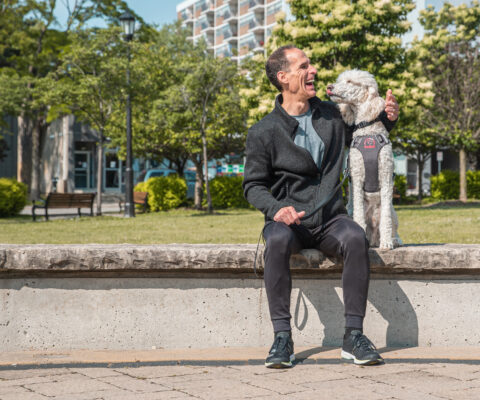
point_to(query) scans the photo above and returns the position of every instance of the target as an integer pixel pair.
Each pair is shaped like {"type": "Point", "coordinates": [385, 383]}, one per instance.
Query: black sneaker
{"type": "Point", "coordinates": [360, 349]}
{"type": "Point", "coordinates": [281, 354]}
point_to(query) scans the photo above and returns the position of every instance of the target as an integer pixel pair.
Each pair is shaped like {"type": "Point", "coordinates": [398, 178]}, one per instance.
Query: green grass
{"type": "Point", "coordinates": [417, 225]}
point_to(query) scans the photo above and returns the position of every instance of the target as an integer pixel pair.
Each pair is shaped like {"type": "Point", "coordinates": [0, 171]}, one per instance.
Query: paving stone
{"type": "Point", "coordinates": [161, 371]}
{"type": "Point", "coordinates": [302, 374]}
{"type": "Point", "coordinates": [463, 394]}
{"type": "Point", "coordinates": [137, 385]}
{"type": "Point", "coordinates": [463, 372]}
{"type": "Point", "coordinates": [24, 381]}
{"type": "Point", "coordinates": [21, 374]}
{"type": "Point", "coordinates": [60, 387]}
{"type": "Point", "coordinates": [421, 381]}
{"type": "Point", "coordinates": [95, 372]}
{"type": "Point", "coordinates": [171, 394]}
{"type": "Point", "coordinates": [22, 396]}
{"type": "Point", "coordinates": [220, 388]}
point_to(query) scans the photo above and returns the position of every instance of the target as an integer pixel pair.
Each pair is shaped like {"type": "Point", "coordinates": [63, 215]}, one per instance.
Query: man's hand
{"type": "Point", "coordinates": [288, 215]}
{"type": "Point", "coordinates": [391, 106]}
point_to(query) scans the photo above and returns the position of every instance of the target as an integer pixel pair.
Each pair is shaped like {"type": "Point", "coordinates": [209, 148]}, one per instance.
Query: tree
{"type": "Point", "coordinates": [449, 53]}
{"type": "Point", "coordinates": [88, 83]}
{"type": "Point", "coordinates": [341, 35]}
{"type": "Point", "coordinates": [202, 113]}
{"type": "Point", "coordinates": [35, 39]}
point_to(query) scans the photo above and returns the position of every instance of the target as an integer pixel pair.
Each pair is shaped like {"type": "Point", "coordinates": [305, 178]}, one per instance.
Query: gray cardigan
{"type": "Point", "coordinates": [278, 173]}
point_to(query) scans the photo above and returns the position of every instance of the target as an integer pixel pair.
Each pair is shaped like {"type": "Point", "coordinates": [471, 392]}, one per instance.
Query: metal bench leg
{"type": "Point", "coordinates": [33, 213]}
{"type": "Point", "coordinates": [46, 213]}
{"type": "Point", "coordinates": [79, 212]}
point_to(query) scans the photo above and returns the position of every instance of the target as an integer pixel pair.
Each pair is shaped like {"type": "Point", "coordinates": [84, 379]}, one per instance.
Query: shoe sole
{"type": "Point", "coordinates": [281, 364]}
{"type": "Point", "coordinates": [347, 356]}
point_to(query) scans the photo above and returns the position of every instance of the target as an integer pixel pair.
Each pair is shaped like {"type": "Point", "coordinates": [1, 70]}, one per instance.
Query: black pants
{"type": "Point", "coordinates": [339, 237]}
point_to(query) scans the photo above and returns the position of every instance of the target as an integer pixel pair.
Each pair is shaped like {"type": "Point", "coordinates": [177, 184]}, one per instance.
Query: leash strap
{"type": "Point", "coordinates": [346, 174]}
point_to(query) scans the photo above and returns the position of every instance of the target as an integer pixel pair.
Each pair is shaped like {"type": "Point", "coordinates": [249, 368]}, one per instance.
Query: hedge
{"type": "Point", "coordinates": [446, 185]}
{"type": "Point", "coordinates": [227, 192]}
{"type": "Point", "coordinates": [165, 192]}
{"type": "Point", "coordinates": [13, 197]}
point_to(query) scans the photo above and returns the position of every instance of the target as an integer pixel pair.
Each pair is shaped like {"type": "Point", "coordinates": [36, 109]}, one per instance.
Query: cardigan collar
{"type": "Point", "coordinates": [290, 122]}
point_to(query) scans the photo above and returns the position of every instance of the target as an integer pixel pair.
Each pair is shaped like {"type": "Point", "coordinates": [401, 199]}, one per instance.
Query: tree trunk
{"type": "Point", "coordinates": [24, 151]}
{"type": "Point", "coordinates": [420, 165]}
{"type": "Point", "coordinates": [99, 174]}
{"type": "Point", "coordinates": [37, 135]}
{"type": "Point", "coordinates": [207, 184]}
{"type": "Point", "coordinates": [198, 185]}
{"type": "Point", "coordinates": [463, 175]}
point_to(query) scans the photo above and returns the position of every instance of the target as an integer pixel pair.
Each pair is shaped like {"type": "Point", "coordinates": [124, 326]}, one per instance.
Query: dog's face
{"type": "Point", "coordinates": [353, 87]}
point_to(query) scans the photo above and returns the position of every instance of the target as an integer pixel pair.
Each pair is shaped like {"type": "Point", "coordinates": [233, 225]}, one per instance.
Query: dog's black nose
{"type": "Point", "coordinates": [330, 87]}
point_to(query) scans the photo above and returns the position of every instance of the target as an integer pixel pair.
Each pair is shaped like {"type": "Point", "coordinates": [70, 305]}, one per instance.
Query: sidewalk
{"type": "Point", "coordinates": [238, 373]}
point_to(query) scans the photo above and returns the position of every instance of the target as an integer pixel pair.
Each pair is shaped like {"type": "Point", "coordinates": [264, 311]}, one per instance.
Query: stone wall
{"type": "Point", "coordinates": [181, 296]}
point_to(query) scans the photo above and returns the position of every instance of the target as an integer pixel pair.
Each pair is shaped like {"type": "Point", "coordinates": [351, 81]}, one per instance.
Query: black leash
{"type": "Point", "coordinates": [346, 174]}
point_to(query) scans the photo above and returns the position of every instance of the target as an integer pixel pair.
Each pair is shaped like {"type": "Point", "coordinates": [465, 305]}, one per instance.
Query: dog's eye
{"type": "Point", "coordinates": [349, 81]}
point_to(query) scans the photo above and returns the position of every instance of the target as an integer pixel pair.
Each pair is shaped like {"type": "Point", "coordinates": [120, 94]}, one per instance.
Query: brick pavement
{"type": "Point", "coordinates": [425, 374]}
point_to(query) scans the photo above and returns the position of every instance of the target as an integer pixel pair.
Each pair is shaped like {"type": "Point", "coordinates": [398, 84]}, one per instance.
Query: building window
{"type": "Point", "coordinates": [248, 41]}
{"type": "Point", "coordinates": [224, 31]}
{"type": "Point", "coordinates": [274, 8]}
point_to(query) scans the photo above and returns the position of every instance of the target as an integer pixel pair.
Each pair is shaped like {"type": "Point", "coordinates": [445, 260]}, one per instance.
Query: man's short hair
{"type": "Point", "coordinates": [277, 62]}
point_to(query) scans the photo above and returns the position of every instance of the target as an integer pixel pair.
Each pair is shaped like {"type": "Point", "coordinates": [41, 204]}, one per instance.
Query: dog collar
{"type": "Point", "coordinates": [364, 124]}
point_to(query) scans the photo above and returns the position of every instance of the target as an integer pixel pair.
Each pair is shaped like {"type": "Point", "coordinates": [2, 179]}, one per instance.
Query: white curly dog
{"type": "Point", "coordinates": [371, 157]}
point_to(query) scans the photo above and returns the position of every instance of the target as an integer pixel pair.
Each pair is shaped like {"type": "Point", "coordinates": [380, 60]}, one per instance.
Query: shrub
{"type": "Point", "coordinates": [13, 197]}
{"type": "Point", "coordinates": [473, 184]}
{"type": "Point", "coordinates": [164, 193]}
{"type": "Point", "coordinates": [446, 185]}
{"type": "Point", "coordinates": [400, 185]}
{"type": "Point", "coordinates": [227, 192]}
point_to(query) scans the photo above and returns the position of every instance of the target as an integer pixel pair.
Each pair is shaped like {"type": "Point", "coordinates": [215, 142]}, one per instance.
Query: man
{"type": "Point", "coordinates": [294, 157]}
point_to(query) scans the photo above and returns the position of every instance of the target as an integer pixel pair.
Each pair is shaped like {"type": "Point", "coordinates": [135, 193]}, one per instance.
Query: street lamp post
{"type": "Point", "coordinates": [128, 22]}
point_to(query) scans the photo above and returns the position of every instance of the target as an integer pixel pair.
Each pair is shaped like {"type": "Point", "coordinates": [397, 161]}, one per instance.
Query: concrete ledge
{"type": "Point", "coordinates": [419, 296]}
{"type": "Point", "coordinates": [180, 258]}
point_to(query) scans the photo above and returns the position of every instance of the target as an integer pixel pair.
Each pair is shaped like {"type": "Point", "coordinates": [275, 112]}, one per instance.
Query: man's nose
{"type": "Point", "coordinates": [313, 70]}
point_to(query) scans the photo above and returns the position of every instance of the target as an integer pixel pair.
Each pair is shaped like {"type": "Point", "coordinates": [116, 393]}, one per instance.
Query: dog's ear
{"type": "Point", "coordinates": [348, 114]}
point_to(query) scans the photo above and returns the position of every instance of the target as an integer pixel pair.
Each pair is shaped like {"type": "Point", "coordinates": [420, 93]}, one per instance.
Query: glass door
{"type": "Point", "coordinates": [113, 172]}
{"type": "Point", "coordinates": [82, 169]}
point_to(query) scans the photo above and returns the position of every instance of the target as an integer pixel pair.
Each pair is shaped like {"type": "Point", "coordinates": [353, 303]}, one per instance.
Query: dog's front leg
{"type": "Point", "coordinates": [357, 172]}
{"type": "Point", "coordinates": [385, 177]}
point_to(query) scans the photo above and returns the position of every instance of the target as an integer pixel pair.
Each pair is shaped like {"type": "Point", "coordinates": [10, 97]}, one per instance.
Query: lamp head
{"type": "Point", "coordinates": [128, 23]}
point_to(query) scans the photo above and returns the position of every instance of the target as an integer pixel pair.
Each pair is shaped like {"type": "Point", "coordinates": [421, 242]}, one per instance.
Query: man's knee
{"type": "Point", "coordinates": [353, 237]}
{"type": "Point", "coordinates": [278, 237]}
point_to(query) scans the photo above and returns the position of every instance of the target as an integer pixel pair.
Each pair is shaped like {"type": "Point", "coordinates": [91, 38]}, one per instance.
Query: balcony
{"type": "Point", "coordinates": [257, 5]}
{"type": "Point", "coordinates": [207, 7]}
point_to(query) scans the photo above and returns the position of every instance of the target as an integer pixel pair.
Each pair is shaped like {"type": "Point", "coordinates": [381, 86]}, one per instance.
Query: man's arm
{"type": "Point", "coordinates": [388, 117]}
{"type": "Point", "coordinates": [257, 180]}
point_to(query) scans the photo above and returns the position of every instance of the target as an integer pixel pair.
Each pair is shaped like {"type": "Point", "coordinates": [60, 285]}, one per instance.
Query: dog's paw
{"type": "Point", "coordinates": [386, 245]}
{"type": "Point", "coordinates": [397, 242]}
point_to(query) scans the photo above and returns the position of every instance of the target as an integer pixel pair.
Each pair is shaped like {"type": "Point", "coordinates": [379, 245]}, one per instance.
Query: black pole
{"type": "Point", "coordinates": [129, 205]}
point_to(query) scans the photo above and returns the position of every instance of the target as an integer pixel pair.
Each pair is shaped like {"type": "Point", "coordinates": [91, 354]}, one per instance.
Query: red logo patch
{"type": "Point", "coordinates": [369, 143]}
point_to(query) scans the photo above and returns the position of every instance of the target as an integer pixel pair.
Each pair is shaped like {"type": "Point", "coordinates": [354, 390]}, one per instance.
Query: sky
{"type": "Point", "coordinates": [152, 11]}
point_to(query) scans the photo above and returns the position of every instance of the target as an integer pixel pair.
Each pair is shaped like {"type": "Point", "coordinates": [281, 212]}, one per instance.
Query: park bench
{"type": "Point", "coordinates": [66, 200]}
{"type": "Point", "coordinates": [138, 198]}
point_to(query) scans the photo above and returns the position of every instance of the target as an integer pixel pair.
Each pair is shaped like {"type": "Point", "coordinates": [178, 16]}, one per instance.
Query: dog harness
{"type": "Point", "coordinates": [370, 146]}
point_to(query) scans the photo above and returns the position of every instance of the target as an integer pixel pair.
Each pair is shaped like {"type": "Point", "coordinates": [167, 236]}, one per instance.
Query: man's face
{"type": "Point", "coordinates": [299, 79]}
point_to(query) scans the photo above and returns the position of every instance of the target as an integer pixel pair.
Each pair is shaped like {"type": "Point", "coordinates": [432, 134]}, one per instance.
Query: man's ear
{"type": "Point", "coordinates": [282, 77]}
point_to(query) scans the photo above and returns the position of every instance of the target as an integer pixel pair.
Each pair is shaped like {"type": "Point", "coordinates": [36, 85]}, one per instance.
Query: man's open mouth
{"type": "Point", "coordinates": [309, 84]}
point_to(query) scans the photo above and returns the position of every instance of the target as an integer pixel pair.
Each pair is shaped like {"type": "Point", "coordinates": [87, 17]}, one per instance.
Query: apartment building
{"type": "Point", "coordinates": [231, 28]}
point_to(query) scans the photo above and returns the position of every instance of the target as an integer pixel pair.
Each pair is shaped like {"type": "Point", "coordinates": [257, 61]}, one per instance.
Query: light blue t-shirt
{"type": "Point", "coordinates": [307, 137]}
